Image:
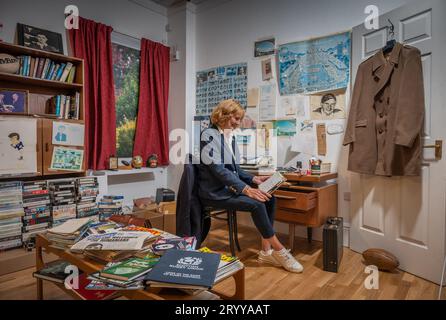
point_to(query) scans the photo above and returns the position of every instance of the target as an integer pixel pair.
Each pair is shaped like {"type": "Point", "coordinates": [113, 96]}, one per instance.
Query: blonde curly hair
{"type": "Point", "coordinates": [224, 110]}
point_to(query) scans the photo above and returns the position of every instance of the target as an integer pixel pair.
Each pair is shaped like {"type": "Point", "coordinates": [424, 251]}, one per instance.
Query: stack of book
{"type": "Point", "coordinates": [11, 212]}
{"type": "Point", "coordinates": [113, 277]}
{"type": "Point", "coordinates": [110, 205]}
{"type": "Point", "coordinates": [64, 107]}
{"type": "Point", "coordinates": [63, 200]}
{"type": "Point", "coordinates": [182, 269]}
{"type": "Point", "coordinates": [87, 191]}
{"type": "Point", "coordinates": [68, 233]}
{"type": "Point", "coordinates": [228, 265]}
{"type": "Point", "coordinates": [47, 69]}
{"type": "Point", "coordinates": [36, 204]}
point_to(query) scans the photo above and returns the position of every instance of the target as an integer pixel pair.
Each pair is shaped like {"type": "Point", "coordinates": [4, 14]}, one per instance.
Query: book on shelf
{"type": "Point", "coordinates": [53, 271]}
{"type": "Point", "coordinates": [46, 69]}
{"type": "Point", "coordinates": [184, 269]}
{"type": "Point", "coordinates": [86, 292]}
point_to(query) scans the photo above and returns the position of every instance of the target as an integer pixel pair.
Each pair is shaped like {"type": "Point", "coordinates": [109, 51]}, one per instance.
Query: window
{"type": "Point", "coordinates": [126, 76]}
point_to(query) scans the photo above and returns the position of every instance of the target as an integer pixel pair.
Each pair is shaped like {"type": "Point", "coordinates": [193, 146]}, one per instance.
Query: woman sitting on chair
{"type": "Point", "coordinates": [224, 185]}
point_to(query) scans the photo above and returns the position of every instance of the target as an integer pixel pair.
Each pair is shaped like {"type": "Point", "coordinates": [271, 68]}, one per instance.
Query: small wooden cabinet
{"type": "Point", "coordinates": [307, 201]}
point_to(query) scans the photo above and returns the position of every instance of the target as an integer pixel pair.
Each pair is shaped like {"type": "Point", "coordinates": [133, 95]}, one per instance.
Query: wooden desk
{"type": "Point", "coordinates": [308, 201]}
{"type": "Point", "coordinates": [90, 266]}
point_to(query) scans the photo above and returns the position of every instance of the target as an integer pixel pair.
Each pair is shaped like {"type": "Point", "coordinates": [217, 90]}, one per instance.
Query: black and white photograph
{"type": "Point", "coordinates": [37, 38]}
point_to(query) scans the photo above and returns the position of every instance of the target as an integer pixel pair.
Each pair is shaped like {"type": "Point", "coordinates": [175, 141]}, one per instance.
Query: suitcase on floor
{"type": "Point", "coordinates": [332, 243]}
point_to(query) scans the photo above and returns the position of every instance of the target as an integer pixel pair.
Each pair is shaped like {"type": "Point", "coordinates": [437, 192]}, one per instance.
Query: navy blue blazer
{"type": "Point", "coordinates": [220, 175]}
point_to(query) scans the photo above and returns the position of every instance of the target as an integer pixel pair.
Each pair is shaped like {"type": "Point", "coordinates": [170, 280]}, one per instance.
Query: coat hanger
{"type": "Point", "coordinates": [391, 42]}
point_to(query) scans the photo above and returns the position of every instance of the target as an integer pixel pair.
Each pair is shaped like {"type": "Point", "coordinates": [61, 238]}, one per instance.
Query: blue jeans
{"type": "Point", "coordinates": [262, 213]}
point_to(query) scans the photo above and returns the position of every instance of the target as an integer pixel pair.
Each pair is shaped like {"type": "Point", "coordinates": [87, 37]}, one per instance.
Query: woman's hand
{"type": "Point", "coordinates": [259, 179]}
{"type": "Point", "coordinates": [256, 194]}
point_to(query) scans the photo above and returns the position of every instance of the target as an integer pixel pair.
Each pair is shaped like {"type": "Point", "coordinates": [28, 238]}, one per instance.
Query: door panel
{"type": "Point", "coordinates": [406, 215]}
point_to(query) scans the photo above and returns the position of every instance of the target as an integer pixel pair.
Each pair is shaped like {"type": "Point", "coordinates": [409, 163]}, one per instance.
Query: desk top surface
{"type": "Point", "coordinates": [311, 178]}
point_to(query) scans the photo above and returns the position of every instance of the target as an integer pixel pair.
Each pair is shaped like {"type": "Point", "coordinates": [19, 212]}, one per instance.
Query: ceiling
{"type": "Point", "coordinates": [172, 3]}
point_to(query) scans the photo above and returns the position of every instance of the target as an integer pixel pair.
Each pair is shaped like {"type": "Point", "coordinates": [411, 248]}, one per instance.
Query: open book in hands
{"type": "Point", "coordinates": [272, 183]}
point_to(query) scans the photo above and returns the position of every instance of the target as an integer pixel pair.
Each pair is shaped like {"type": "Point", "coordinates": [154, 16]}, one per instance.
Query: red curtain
{"type": "Point", "coordinates": [92, 42]}
{"type": "Point", "coordinates": [151, 136]}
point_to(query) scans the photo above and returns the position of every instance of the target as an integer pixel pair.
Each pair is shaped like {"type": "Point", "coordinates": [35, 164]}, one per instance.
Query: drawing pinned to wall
{"type": "Point", "coordinates": [264, 47]}
{"type": "Point", "coordinates": [293, 106]}
{"type": "Point", "coordinates": [306, 126]}
{"type": "Point", "coordinates": [251, 118]}
{"type": "Point", "coordinates": [304, 143]}
{"type": "Point", "coordinates": [253, 97]}
{"type": "Point", "coordinates": [18, 141]}
{"type": "Point", "coordinates": [285, 127]}
{"type": "Point", "coordinates": [221, 83]}
{"type": "Point", "coordinates": [67, 159]}
{"type": "Point", "coordinates": [267, 104]}
{"type": "Point", "coordinates": [315, 65]}
{"type": "Point", "coordinates": [264, 134]}
{"type": "Point", "coordinates": [336, 128]}
{"type": "Point", "coordinates": [68, 134]}
{"type": "Point", "coordinates": [267, 69]}
{"type": "Point", "coordinates": [321, 139]}
{"type": "Point", "coordinates": [328, 106]}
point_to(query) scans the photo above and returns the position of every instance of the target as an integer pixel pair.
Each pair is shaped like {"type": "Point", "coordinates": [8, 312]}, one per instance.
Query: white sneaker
{"type": "Point", "coordinates": [287, 261]}
{"type": "Point", "coordinates": [266, 257]}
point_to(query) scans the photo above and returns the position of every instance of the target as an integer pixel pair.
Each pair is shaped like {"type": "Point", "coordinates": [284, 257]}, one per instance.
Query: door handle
{"type": "Point", "coordinates": [284, 197]}
{"type": "Point", "coordinates": [438, 146]}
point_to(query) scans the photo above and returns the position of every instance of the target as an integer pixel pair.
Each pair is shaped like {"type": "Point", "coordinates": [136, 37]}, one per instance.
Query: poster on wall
{"type": "Point", "coordinates": [67, 159]}
{"type": "Point", "coordinates": [285, 127]}
{"type": "Point", "coordinates": [221, 83]}
{"type": "Point", "coordinates": [18, 141]}
{"type": "Point", "coordinates": [327, 106]}
{"type": "Point", "coordinates": [315, 65]}
{"type": "Point", "coordinates": [68, 134]}
{"type": "Point", "coordinates": [267, 104]}
{"type": "Point", "coordinates": [264, 47]}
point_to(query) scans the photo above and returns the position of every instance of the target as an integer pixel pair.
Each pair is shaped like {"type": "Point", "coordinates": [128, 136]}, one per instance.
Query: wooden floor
{"type": "Point", "coordinates": [268, 282]}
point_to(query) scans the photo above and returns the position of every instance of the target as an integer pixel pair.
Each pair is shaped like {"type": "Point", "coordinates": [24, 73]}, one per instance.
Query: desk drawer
{"type": "Point", "coordinates": [298, 200]}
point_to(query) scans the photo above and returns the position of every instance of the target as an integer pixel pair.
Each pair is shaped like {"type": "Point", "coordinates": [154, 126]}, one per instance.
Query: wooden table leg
{"type": "Point", "coordinates": [239, 294]}
{"type": "Point", "coordinates": [309, 234]}
{"type": "Point", "coordinates": [291, 233]}
{"type": "Point", "coordinates": [39, 265]}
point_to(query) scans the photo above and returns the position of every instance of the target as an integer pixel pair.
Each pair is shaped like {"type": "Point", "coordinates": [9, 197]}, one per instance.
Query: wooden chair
{"type": "Point", "coordinates": [231, 218]}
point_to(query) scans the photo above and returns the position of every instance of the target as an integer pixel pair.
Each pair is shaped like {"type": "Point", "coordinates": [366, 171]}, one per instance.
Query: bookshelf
{"type": "Point", "coordinates": [40, 93]}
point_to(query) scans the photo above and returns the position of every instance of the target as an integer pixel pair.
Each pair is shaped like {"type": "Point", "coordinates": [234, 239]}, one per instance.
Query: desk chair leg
{"type": "Point", "coordinates": [234, 220]}
{"type": "Point", "coordinates": [231, 232]}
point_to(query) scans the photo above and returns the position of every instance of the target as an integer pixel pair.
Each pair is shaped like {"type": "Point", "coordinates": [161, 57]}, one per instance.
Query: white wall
{"type": "Point", "coordinates": [226, 35]}
{"type": "Point", "coordinates": [147, 20]}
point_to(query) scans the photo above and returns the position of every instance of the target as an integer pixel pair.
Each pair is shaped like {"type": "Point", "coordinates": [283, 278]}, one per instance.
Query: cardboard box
{"type": "Point", "coordinates": [168, 209]}
{"type": "Point", "coordinates": [155, 218]}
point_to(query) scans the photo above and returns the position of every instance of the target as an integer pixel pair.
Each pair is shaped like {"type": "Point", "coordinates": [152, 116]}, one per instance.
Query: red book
{"type": "Point", "coordinates": [85, 294]}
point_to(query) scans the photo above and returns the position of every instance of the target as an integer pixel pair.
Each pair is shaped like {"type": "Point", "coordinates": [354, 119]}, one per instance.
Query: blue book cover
{"type": "Point", "coordinates": [60, 71]}
{"type": "Point", "coordinates": [57, 105]}
{"type": "Point", "coordinates": [185, 268]}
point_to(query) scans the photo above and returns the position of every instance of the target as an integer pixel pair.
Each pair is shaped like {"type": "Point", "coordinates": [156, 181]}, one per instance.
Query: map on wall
{"type": "Point", "coordinates": [315, 65]}
{"type": "Point", "coordinates": [221, 83]}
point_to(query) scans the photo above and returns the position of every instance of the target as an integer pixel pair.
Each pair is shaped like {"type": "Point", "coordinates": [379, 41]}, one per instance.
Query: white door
{"type": "Point", "coordinates": [406, 215]}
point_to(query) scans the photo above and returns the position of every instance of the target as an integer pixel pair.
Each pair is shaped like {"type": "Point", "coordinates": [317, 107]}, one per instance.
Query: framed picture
{"type": "Point", "coordinates": [113, 163]}
{"type": "Point", "coordinates": [37, 38]}
{"type": "Point", "coordinates": [13, 101]}
{"type": "Point", "coordinates": [267, 70]}
{"type": "Point", "coordinates": [264, 47]}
